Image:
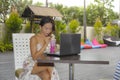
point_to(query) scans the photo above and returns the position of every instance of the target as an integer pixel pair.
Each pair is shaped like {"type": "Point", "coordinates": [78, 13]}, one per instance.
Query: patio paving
{"type": "Point", "coordinates": [82, 71]}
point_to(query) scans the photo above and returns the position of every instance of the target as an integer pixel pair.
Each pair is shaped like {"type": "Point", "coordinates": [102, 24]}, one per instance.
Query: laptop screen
{"type": "Point", "coordinates": [70, 43]}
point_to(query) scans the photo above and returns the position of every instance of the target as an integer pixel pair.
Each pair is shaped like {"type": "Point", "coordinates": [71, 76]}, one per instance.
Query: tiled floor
{"type": "Point", "coordinates": [82, 71]}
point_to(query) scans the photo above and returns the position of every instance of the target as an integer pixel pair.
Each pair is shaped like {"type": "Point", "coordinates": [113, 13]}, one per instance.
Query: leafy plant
{"type": "Point", "coordinates": [21, 4]}
{"type": "Point", "coordinates": [4, 7]}
{"type": "Point", "coordinates": [27, 27]}
{"type": "Point", "coordinates": [111, 30]}
{"type": "Point", "coordinates": [5, 46]}
{"type": "Point", "coordinates": [119, 33]}
{"type": "Point", "coordinates": [74, 26]}
{"type": "Point", "coordinates": [60, 27]}
{"type": "Point", "coordinates": [2, 48]}
{"type": "Point", "coordinates": [102, 8]}
{"type": "Point", "coordinates": [13, 24]}
{"type": "Point", "coordinates": [35, 28]}
{"type": "Point", "coordinates": [98, 29]}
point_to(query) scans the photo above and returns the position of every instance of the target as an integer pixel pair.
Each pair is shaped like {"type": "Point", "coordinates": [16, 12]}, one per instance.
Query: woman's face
{"type": "Point", "coordinates": [46, 29]}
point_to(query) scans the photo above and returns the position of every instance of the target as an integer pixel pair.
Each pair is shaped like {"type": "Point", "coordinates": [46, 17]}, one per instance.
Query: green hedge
{"type": "Point", "coordinates": [5, 47]}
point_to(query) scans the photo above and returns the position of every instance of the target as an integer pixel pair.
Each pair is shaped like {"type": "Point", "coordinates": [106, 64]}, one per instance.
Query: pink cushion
{"type": "Point", "coordinates": [95, 42]}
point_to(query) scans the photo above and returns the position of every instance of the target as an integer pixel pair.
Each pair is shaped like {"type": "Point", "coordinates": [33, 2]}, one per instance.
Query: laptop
{"type": "Point", "coordinates": [69, 45]}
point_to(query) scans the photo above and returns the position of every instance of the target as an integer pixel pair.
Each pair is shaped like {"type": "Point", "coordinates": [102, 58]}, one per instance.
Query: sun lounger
{"type": "Point", "coordinates": [111, 41]}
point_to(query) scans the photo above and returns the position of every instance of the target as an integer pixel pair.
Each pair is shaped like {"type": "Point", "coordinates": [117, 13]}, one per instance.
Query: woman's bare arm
{"type": "Point", "coordinates": [33, 47]}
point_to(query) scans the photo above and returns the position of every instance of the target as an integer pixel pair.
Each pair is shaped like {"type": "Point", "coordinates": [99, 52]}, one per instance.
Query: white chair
{"type": "Point", "coordinates": [21, 48]}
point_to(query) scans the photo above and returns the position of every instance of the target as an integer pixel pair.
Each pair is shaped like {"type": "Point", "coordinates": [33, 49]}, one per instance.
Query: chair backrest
{"type": "Point", "coordinates": [21, 47]}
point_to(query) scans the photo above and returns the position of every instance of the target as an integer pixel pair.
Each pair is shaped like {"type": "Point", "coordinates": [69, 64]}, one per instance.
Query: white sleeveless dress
{"type": "Point", "coordinates": [28, 66]}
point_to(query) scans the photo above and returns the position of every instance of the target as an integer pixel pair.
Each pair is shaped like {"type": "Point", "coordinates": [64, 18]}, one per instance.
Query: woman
{"type": "Point", "coordinates": [38, 45]}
